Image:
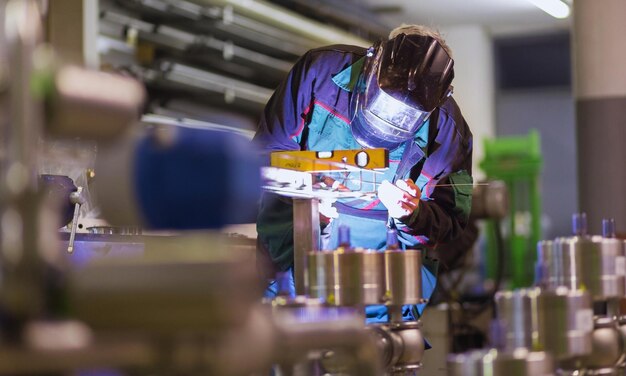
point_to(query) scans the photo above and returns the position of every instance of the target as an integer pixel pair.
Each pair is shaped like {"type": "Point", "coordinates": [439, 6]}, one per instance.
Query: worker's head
{"type": "Point", "coordinates": [403, 80]}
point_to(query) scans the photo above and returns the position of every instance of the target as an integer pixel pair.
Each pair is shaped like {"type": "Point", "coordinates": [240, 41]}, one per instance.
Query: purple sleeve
{"type": "Point", "coordinates": [443, 215]}
{"type": "Point", "coordinates": [284, 116]}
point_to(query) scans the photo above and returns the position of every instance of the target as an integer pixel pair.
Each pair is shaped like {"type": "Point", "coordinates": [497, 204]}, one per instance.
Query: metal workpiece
{"type": "Point", "coordinates": [566, 267]}
{"type": "Point", "coordinates": [306, 238]}
{"type": "Point", "coordinates": [516, 312]}
{"type": "Point", "coordinates": [607, 346]}
{"type": "Point", "coordinates": [401, 346]}
{"type": "Point", "coordinates": [565, 322]}
{"type": "Point", "coordinates": [347, 278]}
{"type": "Point", "coordinates": [519, 362]}
{"type": "Point", "coordinates": [346, 345]}
{"type": "Point", "coordinates": [172, 287]}
{"type": "Point", "coordinates": [403, 277]}
{"type": "Point", "coordinates": [583, 262]}
{"type": "Point", "coordinates": [360, 277]}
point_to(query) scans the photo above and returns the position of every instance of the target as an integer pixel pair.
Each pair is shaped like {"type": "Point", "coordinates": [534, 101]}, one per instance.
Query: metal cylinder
{"type": "Point", "coordinates": [582, 262]}
{"type": "Point", "coordinates": [346, 278]}
{"type": "Point", "coordinates": [403, 277]}
{"type": "Point", "coordinates": [566, 269]}
{"type": "Point", "coordinates": [520, 362]}
{"type": "Point", "coordinates": [516, 312]}
{"type": "Point", "coordinates": [565, 322]}
{"type": "Point", "coordinates": [610, 281]}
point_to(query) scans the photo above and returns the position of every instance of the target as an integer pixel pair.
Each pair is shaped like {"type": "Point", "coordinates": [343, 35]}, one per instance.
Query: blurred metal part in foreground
{"type": "Point", "coordinates": [195, 282]}
{"type": "Point", "coordinates": [92, 104]}
{"type": "Point", "coordinates": [516, 312]}
{"type": "Point", "coordinates": [607, 345]}
{"type": "Point", "coordinates": [565, 319]}
{"type": "Point", "coordinates": [365, 277]}
{"type": "Point", "coordinates": [520, 362]}
{"type": "Point", "coordinates": [170, 177]}
{"type": "Point", "coordinates": [490, 200]}
{"type": "Point", "coordinates": [305, 324]}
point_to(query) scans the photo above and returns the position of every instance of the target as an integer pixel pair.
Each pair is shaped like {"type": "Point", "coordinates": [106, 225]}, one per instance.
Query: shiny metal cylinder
{"type": "Point", "coordinates": [403, 277]}
{"type": "Point", "coordinates": [347, 278]}
{"type": "Point", "coordinates": [610, 282]}
{"type": "Point", "coordinates": [516, 312]}
{"type": "Point", "coordinates": [566, 268]}
{"type": "Point", "coordinates": [520, 362]}
{"type": "Point", "coordinates": [582, 262]}
{"type": "Point", "coordinates": [565, 322]}
{"type": "Point", "coordinates": [545, 260]}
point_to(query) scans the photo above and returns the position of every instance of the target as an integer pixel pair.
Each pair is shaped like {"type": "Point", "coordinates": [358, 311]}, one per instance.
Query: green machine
{"type": "Point", "coordinates": [517, 161]}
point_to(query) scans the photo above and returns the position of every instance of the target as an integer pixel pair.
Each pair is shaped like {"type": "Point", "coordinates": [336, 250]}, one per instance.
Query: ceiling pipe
{"type": "Point", "coordinates": [288, 20]}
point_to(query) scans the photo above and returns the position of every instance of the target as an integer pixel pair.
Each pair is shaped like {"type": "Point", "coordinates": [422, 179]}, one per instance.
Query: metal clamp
{"type": "Point", "coordinates": [78, 200]}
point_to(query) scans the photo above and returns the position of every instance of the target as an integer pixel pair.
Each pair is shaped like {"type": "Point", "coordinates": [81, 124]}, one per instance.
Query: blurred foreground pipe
{"type": "Point", "coordinates": [174, 177]}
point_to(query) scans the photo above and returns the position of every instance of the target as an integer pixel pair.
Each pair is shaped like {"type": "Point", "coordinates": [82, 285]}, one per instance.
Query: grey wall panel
{"type": "Point", "coordinates": [551, 112]}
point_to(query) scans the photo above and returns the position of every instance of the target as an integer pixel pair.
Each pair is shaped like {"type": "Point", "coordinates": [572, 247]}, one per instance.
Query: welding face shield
{"type": "Point", "coordinates": [403, 80]}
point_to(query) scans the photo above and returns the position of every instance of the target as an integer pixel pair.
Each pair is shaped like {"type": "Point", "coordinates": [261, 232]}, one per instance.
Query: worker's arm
{"type": "Point", "coordinates": [284, 116]}
{"type": "Point", "coordinates": [445, 183]}
{"type": "Point", "coordinates": [280, 128]}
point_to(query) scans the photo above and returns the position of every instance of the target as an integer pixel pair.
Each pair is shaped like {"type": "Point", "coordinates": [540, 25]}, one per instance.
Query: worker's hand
{"type": "Point", "coordinates": [401, 199]}
{"type": "Point", "coordinates": [327, 211]}
{"type": "Point", "coordinates": [328, 183]}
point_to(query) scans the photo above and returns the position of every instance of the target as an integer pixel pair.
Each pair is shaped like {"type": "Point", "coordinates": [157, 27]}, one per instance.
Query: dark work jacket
{"type": "Point", "coordinates": [310, 110]}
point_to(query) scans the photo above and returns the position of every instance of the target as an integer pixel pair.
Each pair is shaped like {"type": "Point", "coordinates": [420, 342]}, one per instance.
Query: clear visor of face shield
{"type": "Point", "coordinates": [381, 120]}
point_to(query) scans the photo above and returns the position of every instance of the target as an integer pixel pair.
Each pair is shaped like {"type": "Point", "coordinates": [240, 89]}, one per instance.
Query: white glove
{"type": "Point", "coordinates": [327, 209]}
{"type": "Point", "coordinates": [401, 199]}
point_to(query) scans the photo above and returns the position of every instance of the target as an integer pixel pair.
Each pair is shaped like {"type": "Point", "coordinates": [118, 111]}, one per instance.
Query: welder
{"type": "Point", "coordinates": [394, 95]}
